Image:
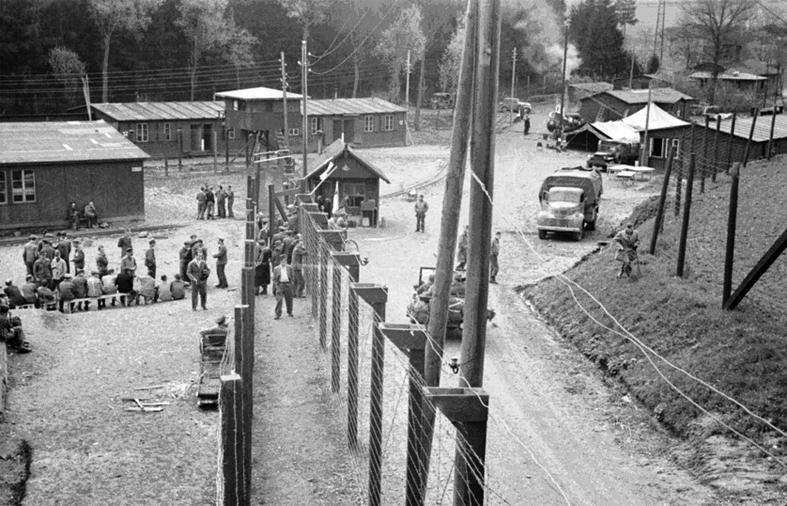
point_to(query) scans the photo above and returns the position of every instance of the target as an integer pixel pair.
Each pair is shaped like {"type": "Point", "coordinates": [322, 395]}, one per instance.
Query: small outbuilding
{"type": "Point", "coordinates": [44, 166]}
{"type": "Point", "coordinates": [341, 168]}
{"type": "Point", "coordinates": [728, 145]}
{"type": "Point", "coordinates": [167, 129]}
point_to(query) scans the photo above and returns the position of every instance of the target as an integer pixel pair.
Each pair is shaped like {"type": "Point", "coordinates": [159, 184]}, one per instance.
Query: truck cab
{"type": "Point", "coordinates": [612, 152]}
{"type": "Point", "coordinates": [569, 201]}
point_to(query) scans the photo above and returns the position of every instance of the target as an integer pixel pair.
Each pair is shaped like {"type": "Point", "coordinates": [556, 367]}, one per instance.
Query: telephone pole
{"type": "Point", "coordinates": [513, 81]}
{"type": "Point", "coordinates": [407, 84]}
{"type": "Point", "coordinates": [304, 114]}
{"type": "Point", "coordinates": [563, 81]}
{"type": "Point", "coordinates": [284, 98]}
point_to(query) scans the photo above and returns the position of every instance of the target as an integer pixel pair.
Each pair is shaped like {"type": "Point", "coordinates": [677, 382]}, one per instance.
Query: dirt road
{"type": "Point", "coordinates": [553, 419]}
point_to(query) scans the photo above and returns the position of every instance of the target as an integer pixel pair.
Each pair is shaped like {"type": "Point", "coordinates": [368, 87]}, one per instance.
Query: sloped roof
{"type": "Point", "coordinates": [659, 95]}
{"type": "Point", "coordinates": [339, 149]}
{"type": "Point", "coordinates": [351, 106]}
{"type": "Point", "coordinates": [616, 130]}
{"type": "Point", "coordinates": [259, 93]}
{"type": "Point", "coordinates": [164, 111]}
{"type": "Point", "coordinates": [729, 75]}
{"type": "Point", "coordinates": [596, 87]}
{"type": "Point", "coordinates": [762, 129]}
{"type": "Point", "coordinates": [64, 141]}
{"type": "Point", "coordinates": [656, 119]}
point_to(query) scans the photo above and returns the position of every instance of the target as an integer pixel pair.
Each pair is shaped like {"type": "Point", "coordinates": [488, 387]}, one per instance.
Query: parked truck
{"type": "Point", "coordinates": [569, 202]}
{"type": "Point", "coordinates": [612, 152]}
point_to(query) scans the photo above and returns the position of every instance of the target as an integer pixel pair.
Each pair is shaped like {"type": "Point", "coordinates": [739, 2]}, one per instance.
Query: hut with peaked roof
{"type": "Point", "coordinates": [617, 104]}
{"type": "Point", "coordinates": [44, 166]}
{"type": "Point", "coordinates": [342, 174]}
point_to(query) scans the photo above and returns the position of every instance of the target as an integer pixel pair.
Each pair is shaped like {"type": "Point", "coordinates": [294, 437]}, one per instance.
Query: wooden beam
{"type": "Point", "coordinates": [319, 219]}
{"type": "Point", "coordinates": [333, 237]}
{"type": "Point", "coordinates": [407, 337]}
{"type": "Point", "coordinates": [371, 293]}
{"type": "Point", "coordinates": [460, 405]}
{"type": "Point", "coordinates": [754, 275]}
{"type": "Point", "coordinates": [304, 198]}
{"type": "Point", "coordinates": [292, 192]}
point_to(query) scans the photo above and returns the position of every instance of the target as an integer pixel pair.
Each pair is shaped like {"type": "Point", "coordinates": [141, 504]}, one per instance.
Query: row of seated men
{"type": "Point", "coordinates": [79, 287]}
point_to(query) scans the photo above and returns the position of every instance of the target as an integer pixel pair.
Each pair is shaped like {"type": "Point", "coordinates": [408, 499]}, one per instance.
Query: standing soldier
{"type": "Point", "coordinates": [102, 264]}
{"type": "Point", "coordinates": [230, 201]}
{"type": "Point", "coordinates": [128, 264]}
{"type": "Point", "coordinates": [29, 253]}
{"type": "Point", "coordinates": [79, 257]}
{"type": "Point", "coordinates": [58, 269]}
{"type": "Point", "coordinates": [220, 196]}
{"type": "Point", "coordinates": [202, 201]}
{"type": "Point", "coordinates": [282, 286]}
{"type": "Point", "coordinates": [221, 262]}
{"type": "Point", "coordinates": [150, 259]}
{"type": "Point", "coordinates": [493, 253]}
{"type": "Point", "coordinates": [210, 200]}
{"type": "Point", "coordinates": [64, 246]}
{"type": "Point", "coordinates": [124, 243]}
{"type": "Point", "coordinates": [42, 270]}
{"type": "Point", "coordinates": [421, 207]}
{"type": "Point", "coordinates": [198, 274]}
{"type": "Point", "coordinates": [527, 124]}
{"type": "Point", "coordinates": [461, 254]}
{"type": "Point", "coordinates": [185, 258]}
{"type": "Point", "coordinates": [298, 252]}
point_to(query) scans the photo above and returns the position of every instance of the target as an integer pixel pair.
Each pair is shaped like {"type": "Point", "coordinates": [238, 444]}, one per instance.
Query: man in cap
{"type": "Point", "coordinates": [102, 263]}
{"type": "Point", "coordinates": [298, 254]}
{"type": "Point", "coordinates": [185, 257]}
{"type": "Point", "coordinates": [91, 214]}
{"type": "Point", "coordinates": [221, 328]}
{"type": "Point", "coordinates": [221, 262]}
{"type": "Point", "coordinates": [29, 253]}
{"type": "Point", "coordinates": [80, 288]}
{"type": "Point", "coordinates": [42, 270]}
{"type": "Point", "coordinates": [282, 286]}
{"type": "Point", "coordinates": [14, 294]}
{"type": "Point", "coordinates": [66, 289]}
{"type": "Point", "coordinates": [128, 264]}
{"type": "Point", "coordinates": [58, 266]}
{"type": "Point", "coordinates": [421, 207]}
{"type": "Point", "coordinates": [64, 247]}
{"type": "Point", "coordinates": [198, 274]}
{"type": "Point", "coordinates": [79, 257]}
{"type": "Point", "coordinates": [230, 201]}
{"type": "Point", "coordinates": [28, 290]}
{"type": "Point", "coordinates": [124, 243]}
{"type": "Point", "coordinates": [220, 196]}
{"type": "Point", "coordinates": [150, 259]}
{"type": "Point", "coordinates": [201, 203]}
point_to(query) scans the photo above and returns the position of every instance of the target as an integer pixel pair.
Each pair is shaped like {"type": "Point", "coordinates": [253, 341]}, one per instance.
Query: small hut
{"type": "Point", "coordinates": [342, 176]}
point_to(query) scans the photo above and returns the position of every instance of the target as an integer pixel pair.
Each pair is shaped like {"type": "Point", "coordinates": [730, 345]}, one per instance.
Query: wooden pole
{"type": "Point", "coordinates": [323, 295]}
{"type": "Point", "coordinates": [730, 141]}
{"type": "Point", "coordinates": [769, 154]}
{"type": "Point", "coordinates": [226, 147]}
{"type": "Point", "coordinates": [729, 256]}
{"type": "Point", "coordinates": [643, 160]}
{"type": "Point", "coordinates": [304, 113]}
{"type": "Point", "coordinates": [657, 222]}
{"type": "Point", "coordinates": [232, 488]}
{"type": "Point", "coordinates": [376, 408]}
{"type": "Point", "coordinates": [272, 227]}
{"type": "Point", "coordinates": [180, 149]}
{"type": "Point", "coordinates": [166, 166]}
{"type": "Point", "coordinates": [684, 229]}
{"type": "Point", "coordinates": [716, 149]}
{"type": "Point", "coordinates": [284, 85]}
{"type": "Point", "coordinates": [215, 139]}
{"type": "Point", "coordinates": [747, 151]}
{"type": "Point", "coordinates": [469, 485]}
{"type": "Point", "coordinates": [336, 324]}
{"type": "Point", "coordinates": [407, 85]}
{"type": "Point", "coordinates": [352, 360]}
{"type": "Point", "coordinates": [513, 80]}
{"type": "Point", "coordinates": [704, 154]}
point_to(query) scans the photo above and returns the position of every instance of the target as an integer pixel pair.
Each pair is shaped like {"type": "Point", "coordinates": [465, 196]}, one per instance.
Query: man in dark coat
{"type": "Point", "coordinates": [262, 268]}
{"type": "Point", "coordinates": [196, 271]}
{"type": "Point", "coordinates": [220, 196]}
{"type": "Point", "coordinates": [230, 201]}
{"type": "Point", "coordinates": [282, 286]}
{"type": "Point", "coordinates": [150, 259]}
{"type": "Point", "coordinates": [221, 262]}
{"type": "Point", "coordinates": [29, 253]}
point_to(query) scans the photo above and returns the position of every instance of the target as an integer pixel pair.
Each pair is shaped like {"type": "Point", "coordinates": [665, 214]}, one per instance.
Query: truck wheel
{"type": "Point", "coordinates": [542, 234]}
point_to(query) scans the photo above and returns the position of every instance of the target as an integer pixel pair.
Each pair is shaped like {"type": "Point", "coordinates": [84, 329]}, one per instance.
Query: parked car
{"type": "Point", "coordinates": [442, 100]}
{"type": "Point", "coordinates": [515, 105]}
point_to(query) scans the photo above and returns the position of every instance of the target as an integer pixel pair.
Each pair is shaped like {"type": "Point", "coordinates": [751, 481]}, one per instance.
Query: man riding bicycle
{"type": "Point", "coordinates": [628, 241]}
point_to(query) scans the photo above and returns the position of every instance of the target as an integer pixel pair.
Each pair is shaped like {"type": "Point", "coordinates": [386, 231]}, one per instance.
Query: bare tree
{"type": "Point", "coordinates": [717, 26]}
{"type": "Point", "coordinates": [402, 36]}
{"type": "Point", "coordinates": [113, 15]}
{"type": "Point", "coordinates": [208, 28]}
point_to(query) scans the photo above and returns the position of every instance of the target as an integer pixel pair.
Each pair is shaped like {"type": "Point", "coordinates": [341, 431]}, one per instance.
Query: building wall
{"type": "Point", "coordinates": [116, 188]}
{"type": "Point", "coordinates": [657, 158]}
{"type": "Point", "coordinates": [355, 131]}
{"type": "Point", "coordinates": [192, 131]}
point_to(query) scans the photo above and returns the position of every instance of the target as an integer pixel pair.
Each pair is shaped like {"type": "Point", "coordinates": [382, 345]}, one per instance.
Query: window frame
{"type": "Point", "coordinates": [24, 191]}
{"type": "Point", "coordinates": [139, 130]}
{"type": "Point", "coordinates": [388, 123]}
{"type": "Point", "coordinates": [230, 134]}
{"type": "Point", "coordinates": [294, 132]}
{"type": "Point", "coordinates": [368, 123]}
{"type": "Point", "coordinates": [3, 188]}
{"type": "Point", "coordinates": [167, 129]}
{"type": "Point", "coordinates": [315, 125]}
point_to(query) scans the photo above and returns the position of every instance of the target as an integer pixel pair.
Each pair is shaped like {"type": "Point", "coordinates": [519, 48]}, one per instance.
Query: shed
{"type": "Point", "coordinates": [44, 166]}
{"type": "Point", "coordinates": [165, 129]}
{"type": "Point", "coordinates": [342, 168]}
{"type": "Point", "coordinates": [728, 145]}
{"type": "Point", "coordinates": [367, 122]}
{"type": "Point", "coordinates": [617, 104]}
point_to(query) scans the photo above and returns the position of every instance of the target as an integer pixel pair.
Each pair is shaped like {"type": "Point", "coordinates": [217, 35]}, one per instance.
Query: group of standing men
{"type": "Point", "coordinates": [215, 204]}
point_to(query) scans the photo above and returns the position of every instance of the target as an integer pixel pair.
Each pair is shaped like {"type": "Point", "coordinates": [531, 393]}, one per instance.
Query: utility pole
{"type": "Point", "coordinates": [563, 82]}
{"type": "Point", "coordinates": [513, 77]}
{"type": "Point", "coordinates": [407, 84]}
{"type": "Point", "coordinates": [284, 85]}
{"type": "Point", "coordinates": [304, 114]}
{"type": "Point", "coordinates": [644, 157]}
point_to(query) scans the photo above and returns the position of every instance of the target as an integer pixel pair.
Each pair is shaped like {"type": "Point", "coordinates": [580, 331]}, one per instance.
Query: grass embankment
{"type": "Point", "coordinates": [743, 352]}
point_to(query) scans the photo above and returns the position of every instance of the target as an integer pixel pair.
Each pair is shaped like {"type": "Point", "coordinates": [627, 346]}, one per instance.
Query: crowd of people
{"type": "Point", "coordinates": [212, 204]}
{"type": "Point", "coordinates": [56, 275]}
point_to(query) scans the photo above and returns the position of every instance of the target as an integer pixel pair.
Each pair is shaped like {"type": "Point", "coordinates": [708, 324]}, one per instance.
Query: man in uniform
{"type": "Point", "coordinates": [202, 201]}
{"type": "Point", "coordinates": [220, 196]}
{"type": "Point", "coordinates": [79, 257]}
{"type": "Point", "coordinates": [494, 251]}
{"type": "Point", "coordinates": [29, 253]}
{"type": "Point", "coordinates": [298, 253]}
{"type": "Point", "coordinates": [102, 264]}
{"type": "Point", "coordinates": [58, 267]}
{"type": "Point", "coordinates": [221, 262]}
{"type": "Point", "coordinates": [230, 201]}
{"type": "Point", "coordinates": [64, 246]}
{"type": "Point", "coordinates": [421, 207]}
{"type": "Point", "coordinates": [150, 259]}
{"type": "Point", "coordinates": [196, 271]}
{"type": "Point", "coordinates": [461, 254]}
{"type": "Point", "coordinates": [42, 270]}
{"type": "Point", "coordinates": [124, 243]}
{"type": "Point", "coordinates": [128, 264]}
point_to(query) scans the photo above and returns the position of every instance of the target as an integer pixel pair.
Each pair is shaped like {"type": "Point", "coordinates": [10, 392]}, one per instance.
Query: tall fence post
{"type": "Point", "coordinates": [250, 223]}
{"type": "Point", "coordinates": [662, 200]}
{"type": "Point", "coordinates": [377, 297]}
{"type": "Point", "coordinates": [730, 141]}
{"type": "Point", "coordinates": [468, 411]}
{"type": "Point", "coordinates": [231, 488]}
{"type": "Point", "coordinates": [411, 340]}
{"type": "Point", "coordinates": [716, 148]}
{"type": "Point", "coordinates": [352, 262]}
{"type": "Point", "coordinates": [678, 188]}
{"type": "Point", "coordinates": [336, 327]}
{"type": "Point", "coordinates": [323, 295]}
{"type": "Point", "coordinates": [732, 217]}
{"type": "Point", "coordinates": [684, 229]}
{"type": "Point", "coordinates": [704, 154]}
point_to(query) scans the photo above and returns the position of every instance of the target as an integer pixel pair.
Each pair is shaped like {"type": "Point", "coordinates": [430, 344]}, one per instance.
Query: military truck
{"type": "Point", "coordinates": [612, 152]}
{"type": "Point", "coordinates": [569, 202]}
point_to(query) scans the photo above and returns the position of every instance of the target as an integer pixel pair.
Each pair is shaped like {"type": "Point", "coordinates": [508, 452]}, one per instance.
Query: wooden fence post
{"type": "Point", "coordinates": [232, 491]}
{"type": "Point", "coordinates": [662, 200]}
{"type": "Point", "coordinates": [684, 229]}
{"type": "Point", "coordinates": [352, 262]}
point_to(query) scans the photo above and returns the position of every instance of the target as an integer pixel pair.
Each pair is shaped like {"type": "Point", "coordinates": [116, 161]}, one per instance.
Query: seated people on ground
{"type": "Point", "coordinates": [109, 285]}
{"type": "Point", "coordinates": [94, 288]}
{"type": "Point", "coordinates": [11, 331]}
{"type": "Point", "coordinates": [66, 289]}
{"type": "Point", "coordinates": [178, 288]}
{"type": "Point", "coordinates": [45, 295]}
{"type": "Point", "coordinates": [14, 294]}
{"type": "Point", "coordinates": [147, 288]}
{"type": "Point", "coordinates": [125, 284]}
{"type": "Point", "coordinates": [80, 288]}
{"type": "Point", "coordinates": [29, 291]}
{"type": "Point", "coordinates": [164, 291]}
